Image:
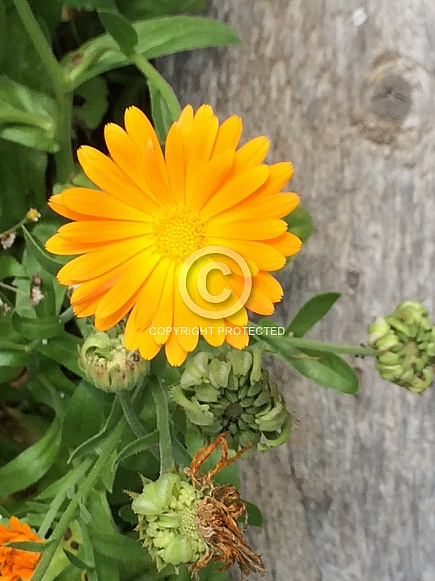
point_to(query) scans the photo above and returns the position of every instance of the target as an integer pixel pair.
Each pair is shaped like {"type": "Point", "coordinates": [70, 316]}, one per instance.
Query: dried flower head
{"type": "Point", "coordinates": [8, 239]}
{"type": "Point", "coordinates": [15, 564]}
{"type": "Point", "coordinates": [187, 519]}
{"type": "Point", "coordinates": [217, 515]}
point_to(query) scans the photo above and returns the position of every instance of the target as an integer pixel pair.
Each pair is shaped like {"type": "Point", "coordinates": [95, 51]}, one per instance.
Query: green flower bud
{"type": "Point", "coordinates": [166, 512]}
{"type": "Point", "coordinates": [109, 365]}
{"type": "Point", "coordinates": [405, 346]}
{"type": "Point", "coordinates": [232, 393]}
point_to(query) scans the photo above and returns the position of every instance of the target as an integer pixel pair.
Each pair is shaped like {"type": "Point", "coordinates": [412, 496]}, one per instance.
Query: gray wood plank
{"type": "Point", "coordinates": [345, 90]}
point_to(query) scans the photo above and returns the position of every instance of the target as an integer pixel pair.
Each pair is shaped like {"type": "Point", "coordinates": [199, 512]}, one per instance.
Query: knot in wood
{"type": "Point", "coordinates": [392, 98]}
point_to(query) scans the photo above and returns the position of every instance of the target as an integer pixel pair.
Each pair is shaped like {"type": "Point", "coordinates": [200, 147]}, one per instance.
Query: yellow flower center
{"type": "Point", "coordinates": [177, 233]}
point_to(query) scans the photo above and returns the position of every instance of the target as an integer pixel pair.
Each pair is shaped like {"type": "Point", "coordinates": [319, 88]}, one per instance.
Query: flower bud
{"type": "Point", "coordinates": [405, 346]}
{"type": "Point", "coordinates": [232, 393]}
{"type": "Point", "coordinates": [166, 511]}
{"type": "Point", "coordinates": [109, 365]}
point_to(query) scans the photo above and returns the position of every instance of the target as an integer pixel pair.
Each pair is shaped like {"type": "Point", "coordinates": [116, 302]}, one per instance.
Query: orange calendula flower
{"type": "Point", "coordinates": [17, 565]}
{"type": "Point", "coordinates": [183, 240]}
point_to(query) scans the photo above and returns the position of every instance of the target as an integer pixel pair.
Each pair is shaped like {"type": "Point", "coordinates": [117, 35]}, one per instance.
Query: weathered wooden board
{"type": "Point", "coordinates": [345, 90]}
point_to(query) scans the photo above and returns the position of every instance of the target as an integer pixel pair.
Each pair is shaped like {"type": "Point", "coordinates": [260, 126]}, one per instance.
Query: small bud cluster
{"type": "Point", "coordinates": [232, 393]}
{"type": "Point", "coordinates": [405, 346]}
{"type": "Point", "coordinates": [166, 512]}
{"type": "Point", "coordinates": [109, 365]}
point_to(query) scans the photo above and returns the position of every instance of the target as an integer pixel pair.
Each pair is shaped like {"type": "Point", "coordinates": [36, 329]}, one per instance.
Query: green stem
{"type": "Point", "coordinates": [64, 157]}
{"type": "Point", "coordinates": [59, 499]}
{"type": "Point", "coordinates": [130, 415]}
{"type": "Point", "coordinates": [163, 426]}
{"type": "Point", "coordinates": [13, 346]}
{"type": "Point", "coordinates": [86, 487]}
{"type": "Point", "coordinates": [13, 288]}
{"type": "Point", "coordinates": [329, 347]}
{"type": "Point", "coordinates": [159, 82]}
{"type": "Point", "coordinates": [66, 316]}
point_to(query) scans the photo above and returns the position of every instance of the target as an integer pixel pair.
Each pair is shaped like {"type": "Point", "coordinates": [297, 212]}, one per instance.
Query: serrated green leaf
{"type": "Point", "coordinates": [47, 262]}
{"type": "Point", "coordinates": [138, 446]}
{"type": "Point", "coordinates": [310, 313]}
{"type": "Point", "coordinates": [156, 37]}
{"type": "Point", "coordinates": [37, 328]}
{"type": "Point", "coordinates": [327, 369]}
{"type": "Point", "coordinates": [300, 223]}
{"type": "Point", "coordinates": [29, 466]}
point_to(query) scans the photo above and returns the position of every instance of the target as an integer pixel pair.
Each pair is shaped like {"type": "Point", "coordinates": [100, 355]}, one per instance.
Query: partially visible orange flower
{"type": "Point", "coordinates": [184, 240]}
{"type": "Point", "coordinates": [17, 565]}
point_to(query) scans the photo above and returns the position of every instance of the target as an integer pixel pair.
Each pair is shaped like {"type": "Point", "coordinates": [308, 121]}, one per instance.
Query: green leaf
{"type": "Point", "coordinates": [156, 37]}
{"type": "Point", "coordinates": [47, 262]}
{"type": "Point", "coordinates": [27, 116]}
{"type": "Point", "coordinates": [38, 328]}
{"type": "Point", "coordinates": [300, 223]}
{"type": "Point", "coordinates": [84, 415]}
{"type": "Point", "coordinates": [138, 446]}
{"type": "Point", "coordinates": [11, 358]}
{"type": "Point", "coordinates": [75, 560]}
{"type": "Point", "coordinates": [22, 181]}
{"type": "Point", "coordinates": [29, 466]}
{"type": "Point", "coordinates": [94, 94]}
{"type": "Point", "coordinates": [30, 546]}
{"type": "Point", "coordinates": [162, 118]}
{"type": "Point", "coordinates": [137, 9]}
{"type": "Point", "coordinates": [89, 446]}
{"type": "Point", "coordinates": [117, 546]}
{"type": "Point", "coordinates": [255, 518]}
{"type": "Point", "coordinates": [10, 267]}
{"type": "Point", "coordinates": [62, 349]}
{"type": "Point", "coordinates": [121, 30]}
{"type": "Point", "coordinates": [327, 369]}
{"type": "Point", "coordinates": [310, 313]}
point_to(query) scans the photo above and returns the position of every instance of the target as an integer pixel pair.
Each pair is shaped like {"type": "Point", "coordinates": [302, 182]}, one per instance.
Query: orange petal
{"type": "Point", "coordinates": [288, 244]}
{"type": "Point", "coordinates": [265, 256]}
{"type": "Point", "coordinates": [249, 229]}
{"type": "Point", "coordinates": [236, 190]}
{"type": "Point", "coordinates": [250, 154]}
{"type": "Point", "coordinates": [175, 353]}
{"type": "Point", "coordinates": [103, 172]}
{"type": "Point", "coordinates": [228, 135]}
{"type": "Point", "coordinates": [211, 178]}
{"type": "Point", "coordinates": [100, 232]}
{"type": "Point", "coordinates": [93, 264]}
{"type": "Point", "coordinates": [92, 204]}
{"type": "Point", "coordinates": [204, 130]}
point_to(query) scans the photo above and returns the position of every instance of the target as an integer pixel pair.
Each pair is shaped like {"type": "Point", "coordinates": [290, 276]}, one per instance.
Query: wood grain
{"type": "Point", "coordinates": [351, 104]}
